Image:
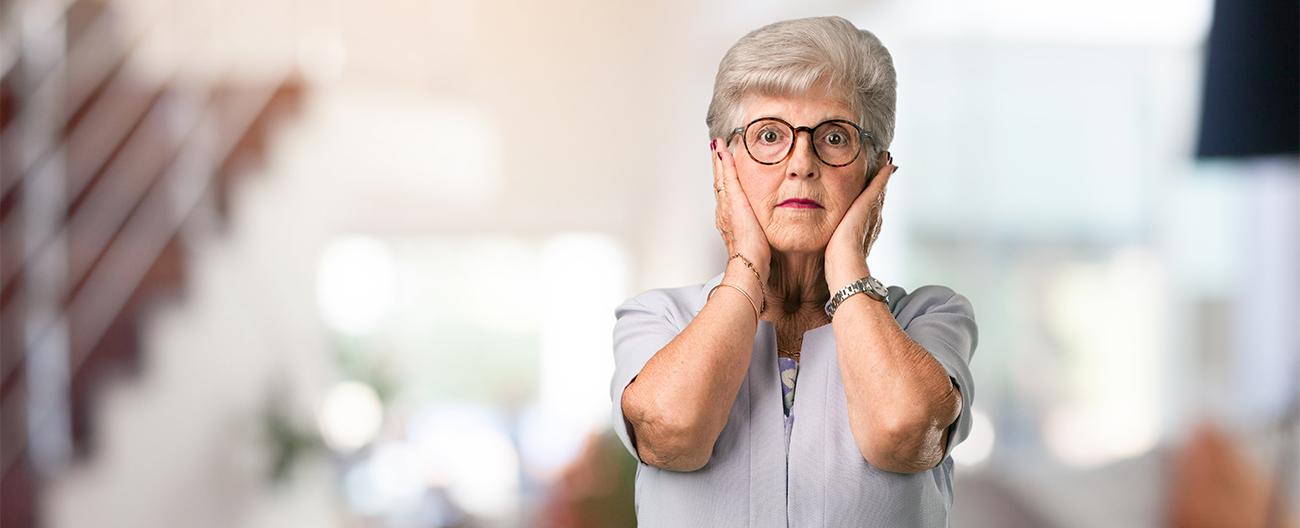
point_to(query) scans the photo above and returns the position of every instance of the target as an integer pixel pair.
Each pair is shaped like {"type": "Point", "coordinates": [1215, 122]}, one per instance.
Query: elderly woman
{"type": "Point", "coordinates": [704, 386]}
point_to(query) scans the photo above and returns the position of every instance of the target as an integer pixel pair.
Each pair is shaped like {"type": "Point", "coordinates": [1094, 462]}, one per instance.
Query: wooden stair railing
{"type": "Point", "coordinates": [96, 182]}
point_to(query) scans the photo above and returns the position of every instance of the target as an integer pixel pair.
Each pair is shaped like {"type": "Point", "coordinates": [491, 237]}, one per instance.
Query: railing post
{"type": "Point", "coordinates": [43, 211]}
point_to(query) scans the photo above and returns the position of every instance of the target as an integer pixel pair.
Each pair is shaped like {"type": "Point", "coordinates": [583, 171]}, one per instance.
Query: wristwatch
{"type": "Point", "coordinates": [868, 285]}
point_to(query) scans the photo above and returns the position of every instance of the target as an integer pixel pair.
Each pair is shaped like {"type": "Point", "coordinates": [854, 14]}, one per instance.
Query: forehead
{"type": "Point", "coordinates": [804, 109]}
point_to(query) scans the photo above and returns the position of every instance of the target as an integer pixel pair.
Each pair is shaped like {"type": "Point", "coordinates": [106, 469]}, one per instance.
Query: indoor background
{"type": "Point", "coordinates": [355, 263]}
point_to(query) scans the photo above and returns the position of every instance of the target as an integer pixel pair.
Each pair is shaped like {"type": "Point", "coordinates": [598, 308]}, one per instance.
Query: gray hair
{"type": "Point", "coordinates": [795, 56]}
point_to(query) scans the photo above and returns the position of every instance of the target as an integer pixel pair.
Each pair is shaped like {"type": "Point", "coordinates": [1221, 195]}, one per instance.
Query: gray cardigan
{"type": "Point", "coordinates": [827, 482]}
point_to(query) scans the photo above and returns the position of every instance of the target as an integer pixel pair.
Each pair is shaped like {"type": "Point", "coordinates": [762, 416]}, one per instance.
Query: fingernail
{"type": "Point", "coordinates": [896, 167]}
{"type": "Point", "coordinates": [719, 155]}
{"type": "Point", "coordinates": [713, 144]}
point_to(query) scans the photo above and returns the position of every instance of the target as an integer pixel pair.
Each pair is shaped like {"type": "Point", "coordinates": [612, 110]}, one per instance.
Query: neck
{"type": "Point", "coordinates": [796, 285]}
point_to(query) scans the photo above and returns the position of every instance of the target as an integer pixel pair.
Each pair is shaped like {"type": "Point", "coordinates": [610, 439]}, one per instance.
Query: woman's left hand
{"type": "Point", "coordinates": [850, 244]}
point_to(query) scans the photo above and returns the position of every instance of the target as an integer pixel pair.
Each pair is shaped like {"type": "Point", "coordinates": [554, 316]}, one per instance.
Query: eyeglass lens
{"type": "Point", "coordinates": [770, 140]}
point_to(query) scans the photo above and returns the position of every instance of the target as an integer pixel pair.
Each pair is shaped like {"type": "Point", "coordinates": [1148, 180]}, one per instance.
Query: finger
{"type": "Point", "coordinates": [731, 182]}
{"type": "Point", "coordinates": [879, 220]}
{"type": "Point", "coordinates": [882, 177]}
{"type": "Point", "coordinates": [862, 206]}
{"type": "Point", "coordinates": [721, 216]}
{"type": "Point", "coordinates": [869, 241]}
{"type": "Point", "coordinates": [877, 182]}
{"type": "Point", "coordinates": [717, 174]}
{"type": "Point", "coordinates": [879, 208]}
{"type": "Point", "coordinates": [865, 211]}
{"type": "Point", "coordinates": [727, 163]}
{"type": "Point", "coordinates": [875, 193]}
{"type": "Point", "coordinates": [720, 174]}
{"type": "Point", "coordinates": [716, 163]}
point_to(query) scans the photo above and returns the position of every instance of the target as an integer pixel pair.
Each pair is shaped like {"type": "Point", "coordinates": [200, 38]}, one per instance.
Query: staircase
{"type": "Point", "coordinates": [106, 174]}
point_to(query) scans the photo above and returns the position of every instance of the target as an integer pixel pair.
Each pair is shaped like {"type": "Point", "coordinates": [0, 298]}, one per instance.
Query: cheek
{"type": "Point", "coordinates": [864, 172]}
{"type": "Point", "coordinates": [855, 184]}
{"type": "Point", "coordinates": [758, 187]}
{"type": "Point", "coordinates": [758, 199]}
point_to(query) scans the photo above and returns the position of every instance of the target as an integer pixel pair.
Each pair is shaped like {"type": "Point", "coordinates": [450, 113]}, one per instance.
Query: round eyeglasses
{"type": "Point", "coordinates": [836, 142]}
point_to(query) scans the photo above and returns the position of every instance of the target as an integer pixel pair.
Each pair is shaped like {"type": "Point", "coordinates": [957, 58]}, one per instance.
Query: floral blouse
{"type": "Point", "coordinates": [789, 371]}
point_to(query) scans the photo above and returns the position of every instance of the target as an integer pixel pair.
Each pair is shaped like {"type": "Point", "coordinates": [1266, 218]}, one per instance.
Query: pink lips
{"type": "Point", "coordinates": [800, 203]}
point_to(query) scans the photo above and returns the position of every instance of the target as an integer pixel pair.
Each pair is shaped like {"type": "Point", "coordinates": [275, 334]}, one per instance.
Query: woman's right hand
{"type": "Point", "coordinates": [734, 217]}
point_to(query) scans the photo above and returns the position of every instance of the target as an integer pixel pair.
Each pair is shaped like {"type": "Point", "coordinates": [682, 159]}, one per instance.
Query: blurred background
{"type": "Point", "coordinates": [354, 263]}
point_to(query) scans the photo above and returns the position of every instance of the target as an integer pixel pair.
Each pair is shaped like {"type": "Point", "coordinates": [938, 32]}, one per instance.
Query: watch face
{"type": "Point", "coordinates": [877, 288]}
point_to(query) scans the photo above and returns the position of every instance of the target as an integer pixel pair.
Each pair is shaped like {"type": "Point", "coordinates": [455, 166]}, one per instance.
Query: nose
{"type": "Point", "coordinates": [803, 161]}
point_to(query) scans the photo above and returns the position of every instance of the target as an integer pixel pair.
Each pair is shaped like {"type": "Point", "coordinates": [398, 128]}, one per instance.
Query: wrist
{"type": "Point", "coordinates": [840, 274]}
{"type": "Point", "coordinates": [760, 260]}
{"type": "Point", "coordinates": [741, 276]}
{"type": "Point", "coordinates": [866, 287]}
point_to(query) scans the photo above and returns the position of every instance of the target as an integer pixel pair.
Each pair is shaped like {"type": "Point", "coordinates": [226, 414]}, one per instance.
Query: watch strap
{"type": "Point", "coordinates": [868, 285]}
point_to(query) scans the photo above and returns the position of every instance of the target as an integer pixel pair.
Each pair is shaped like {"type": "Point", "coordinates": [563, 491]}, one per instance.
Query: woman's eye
{"type": "Point", "coordinates": [768, 136]}
{"type": "Point", "coordinates": [835, 139]}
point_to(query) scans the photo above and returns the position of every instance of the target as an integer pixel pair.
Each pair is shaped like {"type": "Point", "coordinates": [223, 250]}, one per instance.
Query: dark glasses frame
{"type": "Point", "coordinates": [864, 138]}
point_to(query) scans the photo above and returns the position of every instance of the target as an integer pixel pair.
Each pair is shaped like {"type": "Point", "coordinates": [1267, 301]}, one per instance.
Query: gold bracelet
{"type": "Point", "coordinates": [762, 287]}
{"type": "Point", "coordinates": [742, 292]}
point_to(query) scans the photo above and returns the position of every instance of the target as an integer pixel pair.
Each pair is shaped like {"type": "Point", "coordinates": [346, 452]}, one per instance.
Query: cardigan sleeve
{"type": "Point", "coordinates": [943, 322]}
{"type": "Point", "coordinates": [642, 327]}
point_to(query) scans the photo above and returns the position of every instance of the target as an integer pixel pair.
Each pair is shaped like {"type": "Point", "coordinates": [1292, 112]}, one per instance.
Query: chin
{"type": "Point", "coordinates": [793, 245]}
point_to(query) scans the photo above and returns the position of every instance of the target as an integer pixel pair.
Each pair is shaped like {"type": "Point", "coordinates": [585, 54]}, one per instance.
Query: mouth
{"type": "Point", "coordinates": [800, 203]}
